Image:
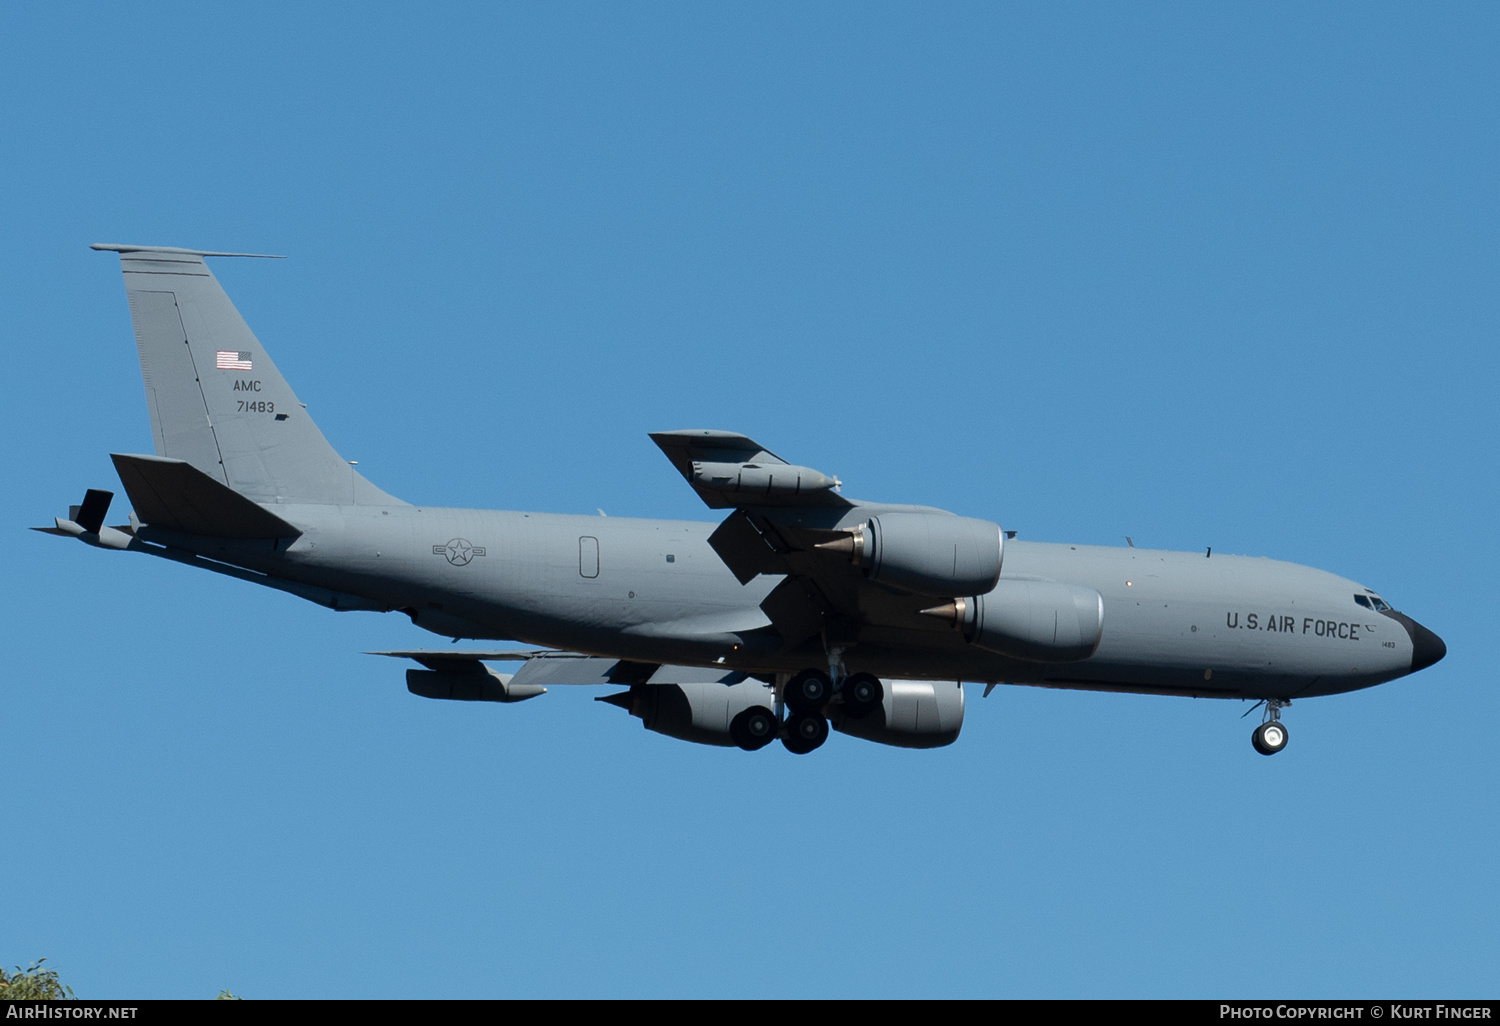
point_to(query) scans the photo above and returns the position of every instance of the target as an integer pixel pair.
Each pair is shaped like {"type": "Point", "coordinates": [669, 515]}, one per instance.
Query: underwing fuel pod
{"type": "Point", "coordinates": [801, 612]}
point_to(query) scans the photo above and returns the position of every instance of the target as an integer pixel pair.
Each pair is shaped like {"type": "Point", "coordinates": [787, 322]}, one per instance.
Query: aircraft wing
{"type": "Point", "coordinates": [437, 658]}
{"type": "Point", "coordinates": [544, 668]}
{"type": "Point", "coordinates": [846, 563]}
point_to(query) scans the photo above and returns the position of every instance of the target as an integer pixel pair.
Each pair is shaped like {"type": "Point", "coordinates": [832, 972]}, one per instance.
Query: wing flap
{"type": "Point", "coordinates": [574, 669]}
{"type": "Point", "coordinates": [796, 609]}
{"type": "Point", "coordinates": [744, 549]}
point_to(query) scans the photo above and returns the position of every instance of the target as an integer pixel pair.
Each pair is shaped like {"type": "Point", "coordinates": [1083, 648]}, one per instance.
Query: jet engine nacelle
{"type": "Point", "coordinates": [1038, 621]}
{"type": "Point", "coordinates": [927, 553]}
{"type": "Point", "coordinates": [474, 682]}
{"type": "Point", "coordinates": [693, 712]}
{"type": "Point", "coordinates": [749, 480]}
{"type": "Point", "coordinates": [912, 714]}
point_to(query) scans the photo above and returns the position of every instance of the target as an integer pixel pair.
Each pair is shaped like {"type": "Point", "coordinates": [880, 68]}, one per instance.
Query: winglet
{"type": "Point", "coordinates": [115, 247]}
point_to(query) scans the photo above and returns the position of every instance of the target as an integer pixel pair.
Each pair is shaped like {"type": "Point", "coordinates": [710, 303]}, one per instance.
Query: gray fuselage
{"type": "Point", "coordinates": [655, 591]}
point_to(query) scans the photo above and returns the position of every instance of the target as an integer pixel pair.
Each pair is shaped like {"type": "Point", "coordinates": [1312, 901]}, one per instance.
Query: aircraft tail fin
{"type": "Point", "coordinates": [216, 400]}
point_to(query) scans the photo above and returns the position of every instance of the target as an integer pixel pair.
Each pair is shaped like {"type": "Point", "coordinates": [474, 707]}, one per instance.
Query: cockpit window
{"type": "Point", "coordinates": [1364, 601]}
{"type": "Point", "coordinates": [1380, 605]}
{"type": "Point", "coordinates": [1370, 600]}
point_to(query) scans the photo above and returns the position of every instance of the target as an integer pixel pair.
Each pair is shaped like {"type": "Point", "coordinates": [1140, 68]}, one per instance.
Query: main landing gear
{"type": "Point", "coordinates": [1271, 736]}
{"type": "Point", "coordinates": [807, 695]}
{"type": "Point", "coordinates": [754, 728]}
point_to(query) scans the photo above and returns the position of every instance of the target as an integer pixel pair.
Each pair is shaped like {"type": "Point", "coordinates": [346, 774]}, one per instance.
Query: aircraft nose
{"type": "Point", "coordinates": [1426, 647]}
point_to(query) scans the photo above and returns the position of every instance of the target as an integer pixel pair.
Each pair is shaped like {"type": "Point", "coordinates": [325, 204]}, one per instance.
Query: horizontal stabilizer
{"type": "Point", "coordinates": [176, 495]}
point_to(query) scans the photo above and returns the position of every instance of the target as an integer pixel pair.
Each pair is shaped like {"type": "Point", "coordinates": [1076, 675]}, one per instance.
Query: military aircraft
{"type": "Point", "coordinates": [800, 610]}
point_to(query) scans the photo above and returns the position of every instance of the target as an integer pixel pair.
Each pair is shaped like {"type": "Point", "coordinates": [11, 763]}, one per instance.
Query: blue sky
{"type": "Point", "coordinates": [1200, 274]}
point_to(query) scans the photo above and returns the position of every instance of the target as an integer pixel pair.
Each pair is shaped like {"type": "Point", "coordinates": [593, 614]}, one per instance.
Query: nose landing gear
{"type": "Point", "coordinates": [1271, 736]}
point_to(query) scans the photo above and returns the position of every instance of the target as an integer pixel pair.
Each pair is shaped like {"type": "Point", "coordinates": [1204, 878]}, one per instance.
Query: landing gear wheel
{"type": "Point", "coordinates": [754, 728]}
{"type": "Point", "coordinates": [863, 694]}
{"type": "Point", "coordinates": [804, 732]}
{"type": "Point", "coordinates": [808, 691]}
{"type": "Point", "coordinates": [1269, 738]}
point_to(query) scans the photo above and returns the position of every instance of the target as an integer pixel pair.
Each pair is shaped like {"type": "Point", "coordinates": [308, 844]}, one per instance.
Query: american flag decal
{"type": "Point", "coordinates": [229, 360]}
